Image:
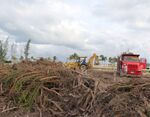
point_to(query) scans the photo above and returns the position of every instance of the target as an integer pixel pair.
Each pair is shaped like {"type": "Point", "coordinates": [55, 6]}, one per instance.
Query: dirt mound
{"type": "Point", "coordinates": [45, 87]}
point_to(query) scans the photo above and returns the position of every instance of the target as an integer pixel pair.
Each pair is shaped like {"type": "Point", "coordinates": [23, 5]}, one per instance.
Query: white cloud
{"type": "Point", "coordinates": [62, 27]}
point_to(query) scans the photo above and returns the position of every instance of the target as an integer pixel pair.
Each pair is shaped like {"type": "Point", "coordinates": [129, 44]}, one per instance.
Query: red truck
{"type": "Point", "coordinates": [130, 64]}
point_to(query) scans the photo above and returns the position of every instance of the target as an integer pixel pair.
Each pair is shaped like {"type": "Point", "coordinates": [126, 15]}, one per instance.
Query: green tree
{"type": "Point", "coordinates": [49, 58]}
{"type": "Point", "coordinates": [113, 59]}
{"type": "Point", "coordinates": [3, 50]}
{"type": "Point", "coordinates": [103, 58]}
{"type": "Point", "coordinates": [21, 58]}
{"type": "Point", "coordinates": [26, 50]}
{"type": "Point", "coordinates": [74, 56]}
{"type": "Point", "coordinates": [32, 58]}
{"type": "Point", "coordinates": [54, 58]}
{"type": "Point", "coordinates": [110, 59]}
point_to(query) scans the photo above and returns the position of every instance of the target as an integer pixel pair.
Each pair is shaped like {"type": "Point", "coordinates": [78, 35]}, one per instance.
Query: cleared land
{"type": "Point", "coordinates": [47, 89]}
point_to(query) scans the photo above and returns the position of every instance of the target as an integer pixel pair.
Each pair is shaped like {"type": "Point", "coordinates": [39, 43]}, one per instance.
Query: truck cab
{"type": "Point", "coordinates": [130, 64]}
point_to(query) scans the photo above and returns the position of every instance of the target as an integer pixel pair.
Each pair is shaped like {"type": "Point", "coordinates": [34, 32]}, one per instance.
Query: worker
{"type": "Point", "coordinates": [83, 62]}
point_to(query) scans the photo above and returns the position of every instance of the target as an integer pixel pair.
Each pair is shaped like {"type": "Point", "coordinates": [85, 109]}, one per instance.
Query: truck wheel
{"type": "Point", "coordinates": [83, 67]}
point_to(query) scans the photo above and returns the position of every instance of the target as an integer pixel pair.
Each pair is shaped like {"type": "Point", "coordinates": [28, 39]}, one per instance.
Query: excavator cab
{"type": "Point", "coordinates": [83, 63]}
{"type": "Point", "coordinates": [82, 60]}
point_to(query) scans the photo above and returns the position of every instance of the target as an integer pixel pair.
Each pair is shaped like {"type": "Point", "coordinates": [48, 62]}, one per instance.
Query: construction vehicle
{"type": "Point", "coordinates": [82, 64]}
{"type": "Point", "coordinates": [130, 64]}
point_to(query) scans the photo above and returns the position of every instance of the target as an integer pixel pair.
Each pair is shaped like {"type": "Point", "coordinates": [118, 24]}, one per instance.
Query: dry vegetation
{"type": "Point", "coordinates": [47, 89]}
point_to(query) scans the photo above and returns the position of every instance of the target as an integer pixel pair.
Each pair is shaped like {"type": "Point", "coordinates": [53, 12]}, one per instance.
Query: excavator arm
{"type": "Point", "coordinates": [92, 60]}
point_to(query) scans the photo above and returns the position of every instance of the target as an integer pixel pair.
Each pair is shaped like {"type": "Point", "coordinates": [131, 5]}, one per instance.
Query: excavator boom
{"type": "Point", "coordinates": [92, 60]}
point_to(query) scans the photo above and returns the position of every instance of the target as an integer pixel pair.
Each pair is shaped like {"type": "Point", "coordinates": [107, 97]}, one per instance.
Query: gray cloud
{"type": "Point", "coordinates": [43, 23]}
{"type": "Point", "coordinates": [103, 26]}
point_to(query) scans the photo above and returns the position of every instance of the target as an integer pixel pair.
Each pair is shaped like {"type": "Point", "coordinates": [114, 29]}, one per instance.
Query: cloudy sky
{"type": "Point", "coordinates": [61, 27]}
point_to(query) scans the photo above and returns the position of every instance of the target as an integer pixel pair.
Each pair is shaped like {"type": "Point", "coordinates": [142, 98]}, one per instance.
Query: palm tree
{"type": "Point", "coordinates": [102, 57]}
{"type": "Point", "coordinates": [110, 59]}
{"type": "Point", "coordinates": [74, 56]}
{"type": "Point", "coordinates": [105, 58]}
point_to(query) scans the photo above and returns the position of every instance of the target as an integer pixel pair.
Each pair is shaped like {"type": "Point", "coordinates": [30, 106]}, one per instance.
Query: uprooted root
{"type": "Point", "coordinates": [47, 87]}
{"type": "Point", "coordinates": [130, 99]}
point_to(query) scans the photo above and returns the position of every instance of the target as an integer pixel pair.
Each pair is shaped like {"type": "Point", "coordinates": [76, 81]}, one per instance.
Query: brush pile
{"type": "Point", "coordinates": [131, 99]}
{"type": "Point", "coordinates": [45, 87]}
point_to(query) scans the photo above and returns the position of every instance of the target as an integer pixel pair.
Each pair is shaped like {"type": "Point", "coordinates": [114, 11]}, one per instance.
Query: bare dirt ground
{"type": "Point", "coordinates": [47, 89]}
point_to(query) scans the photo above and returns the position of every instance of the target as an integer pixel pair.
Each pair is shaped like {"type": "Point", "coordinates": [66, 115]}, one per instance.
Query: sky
{"type": "Point", "coordinates": [62, 27]}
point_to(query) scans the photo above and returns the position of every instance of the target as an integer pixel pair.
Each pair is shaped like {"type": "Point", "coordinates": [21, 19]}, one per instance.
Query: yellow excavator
{"type": "Point", "coordinates": [82, 64]}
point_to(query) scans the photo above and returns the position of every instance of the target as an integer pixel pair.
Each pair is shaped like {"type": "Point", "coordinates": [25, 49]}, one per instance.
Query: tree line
{"type": "Point", "coordinates": [4, 44]}
{"type": "Point", "coordinates": [102, 58]}
{"type": "Point", "coordinates": [4, 51]}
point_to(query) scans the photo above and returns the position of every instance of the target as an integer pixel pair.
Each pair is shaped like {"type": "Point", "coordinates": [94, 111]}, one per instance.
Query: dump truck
{"type": "Point", "coordinates": [130, 64]}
